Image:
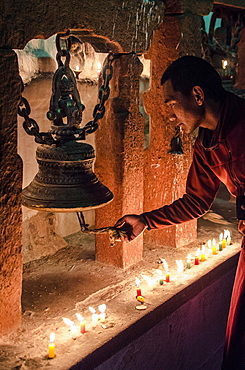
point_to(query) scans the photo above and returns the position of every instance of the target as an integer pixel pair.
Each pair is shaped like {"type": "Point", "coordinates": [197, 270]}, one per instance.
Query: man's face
{"type": "Point", "coordinates": [185, 111]}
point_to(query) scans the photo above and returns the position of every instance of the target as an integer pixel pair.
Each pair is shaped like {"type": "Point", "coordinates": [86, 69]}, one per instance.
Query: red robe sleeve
{"type": "Point", "coordinates": [201, 187]}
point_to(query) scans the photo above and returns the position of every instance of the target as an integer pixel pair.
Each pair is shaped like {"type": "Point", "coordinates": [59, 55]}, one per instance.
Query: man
{"type": "Point", "coordinates": [195, 98]}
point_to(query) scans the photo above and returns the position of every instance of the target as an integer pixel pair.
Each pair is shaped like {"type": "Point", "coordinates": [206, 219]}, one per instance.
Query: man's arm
{"type": "Point", "coordinates": [201, 188]}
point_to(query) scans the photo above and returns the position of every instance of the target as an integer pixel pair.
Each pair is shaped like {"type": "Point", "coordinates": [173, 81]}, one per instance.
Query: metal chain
{"type": "Point", "coordinates": [104, 91]}
{"type": "Point", "coordinates": [30, 125]}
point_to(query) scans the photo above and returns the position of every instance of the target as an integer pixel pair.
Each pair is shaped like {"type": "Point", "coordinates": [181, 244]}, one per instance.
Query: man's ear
{"type": "Point", "coordinates": [198, 95]}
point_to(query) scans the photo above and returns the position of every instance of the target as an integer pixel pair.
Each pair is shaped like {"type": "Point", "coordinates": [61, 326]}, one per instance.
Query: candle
{"type": "Point", "coordinates": [138, 290]}
{"type": "Point", "coordinates": [214, 248]}
{"type": "Point", "coordinates": [94, 318]}
{"type": "Point", "coordinates": [82, 323]}
{"type": "Point", "coordinates": [51, 346]}
{"type": "Point", "coordinates": [196, 260]}
{"type": "Point", "coordinates": [209, 248]}
{"type": "Point", "coordinates": [224, 63]}
{"type": "Point", "coordinates": [159, 272]}
{"type": "Point", "coordinates": [227, 236]}
{"type": "Point", "coordinates": [197, 257]}
{"type": "Point", "coordinates": [71, 325]}
{"type": "Point", "coordinates": [102, 309]}
{"type": "Point", "coordinates": [77, 72]}
{"type": "Point", "coordinates": [203, 257]}
{"type": "Point", "coordinates": [167, 277]}
{"type": "Point", "coordinates": [188, 262]}
{"type": "Point", "coordinates": [180, 266]}
{"type": "Point", "coordinates": [221, 242]}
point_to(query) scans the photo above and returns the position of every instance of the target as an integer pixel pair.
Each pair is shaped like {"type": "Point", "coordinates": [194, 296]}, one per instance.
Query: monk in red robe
{"type": "Point", "coordinates": [195, 98]}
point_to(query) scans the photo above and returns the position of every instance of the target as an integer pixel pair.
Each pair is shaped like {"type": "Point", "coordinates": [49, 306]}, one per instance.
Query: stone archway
{"type": "Point", "coordinates": [21, 23]}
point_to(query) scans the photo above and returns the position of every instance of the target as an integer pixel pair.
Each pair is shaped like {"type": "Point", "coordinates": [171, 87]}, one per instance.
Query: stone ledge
{"type": "Point", "coordinates": [155, 316]}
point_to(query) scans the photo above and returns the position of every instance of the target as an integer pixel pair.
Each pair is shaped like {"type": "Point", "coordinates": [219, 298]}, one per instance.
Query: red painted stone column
{"type": "Point", "coordinates": [165, 174]}
{"type": "Point", "coordinates": [119, 162]}
{"type": "Point", "coordinates": [11, 181]}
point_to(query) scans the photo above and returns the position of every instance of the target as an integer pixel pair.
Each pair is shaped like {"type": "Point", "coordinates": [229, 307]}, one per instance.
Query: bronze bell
{"type": "Point", "coordinates": [65, 181]}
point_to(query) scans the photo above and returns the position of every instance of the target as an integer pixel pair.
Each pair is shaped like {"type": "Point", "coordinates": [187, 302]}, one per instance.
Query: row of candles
{"type": "Point", "coordinates": [201, 255]}
{"type": "Point", "coordinates": [206, 251]}
{"type": "Point", "coordinates": [73, 328]}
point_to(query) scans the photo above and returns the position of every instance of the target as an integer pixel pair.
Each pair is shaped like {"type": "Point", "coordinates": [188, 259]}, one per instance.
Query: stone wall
{"type": "Point", "coordinates": [10, 192]}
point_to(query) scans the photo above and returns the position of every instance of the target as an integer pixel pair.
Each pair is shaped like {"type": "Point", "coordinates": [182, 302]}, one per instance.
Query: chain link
{"type": "Point", "coordinates": [104, 91]}
{"type": "Point", "coordinates": [30, 125]}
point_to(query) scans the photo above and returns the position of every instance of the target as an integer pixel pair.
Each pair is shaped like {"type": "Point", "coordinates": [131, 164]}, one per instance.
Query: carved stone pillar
{"type": "Point", "coordinates": [119, 163]}
{"type": "Point", "coordinates": [11, 179]}
{"type": "Point", "coordinates": [165, 174]}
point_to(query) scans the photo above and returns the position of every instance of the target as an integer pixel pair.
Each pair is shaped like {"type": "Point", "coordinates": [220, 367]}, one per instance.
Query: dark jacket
{"type": "Point", "coordinates": [219, 156]}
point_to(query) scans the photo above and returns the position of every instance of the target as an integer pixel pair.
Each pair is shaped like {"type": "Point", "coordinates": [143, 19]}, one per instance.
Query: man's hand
{"type": "Point", "coordinates": [134, 225]}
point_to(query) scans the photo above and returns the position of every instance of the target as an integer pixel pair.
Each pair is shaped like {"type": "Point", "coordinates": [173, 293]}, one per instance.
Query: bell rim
{"type": "Point", "coordinates": [67, 210]}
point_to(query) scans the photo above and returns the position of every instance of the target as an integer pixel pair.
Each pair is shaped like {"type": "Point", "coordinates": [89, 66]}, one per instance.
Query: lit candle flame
{"type": "Point", "coordinates": [92, 310]}
{"type": "Point", "coordinates": [180, 266]}
{"type": "Point", "coordinates": [224, 63]}
{"type": "Point", "coordinates": [68, 322]}
{"type": "Point", "coordinates": [137, 282]}
{"type": "Point", "coordinates": [209, 244]}
{"type": "Point", "coordinates": [80, 318]}
{"type": "Point", "coordinates": [227, 236]}
{"type": "Point", "coordinates": [150, 282]}
{"type": "Point", "coordinates": [164, 264]}
{"type": "Point", "coordinates": [159, 272]}
{"type": "Point", "coordinates": [52, 337]}
{"type": "Point", "coordinates": [102, 308]}
{"type": "Point", "coordinates": [77, 68]}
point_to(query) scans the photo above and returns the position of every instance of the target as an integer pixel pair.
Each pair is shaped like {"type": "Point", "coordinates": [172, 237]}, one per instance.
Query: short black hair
{"type": "Point", "coordinates": [189, 71]}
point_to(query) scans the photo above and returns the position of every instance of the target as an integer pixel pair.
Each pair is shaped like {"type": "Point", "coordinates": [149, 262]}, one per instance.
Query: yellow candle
{"type": "Point", "coordinates": [214, 250]}
{"type": "Point", "coordinates": [82, 323]}
{"type": "Point", "coordinates": [227, 237]}
{"type": "Point", "coordinates": [95, 317]}
{"type": "Point", "coordinates": [203, 255]}
{"type": "Point", "coordinates": [203, 258]}
{"type": "Point", "coordinates": [102, 315]}
{"type": "Point", "coordinates": [51, 346]}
